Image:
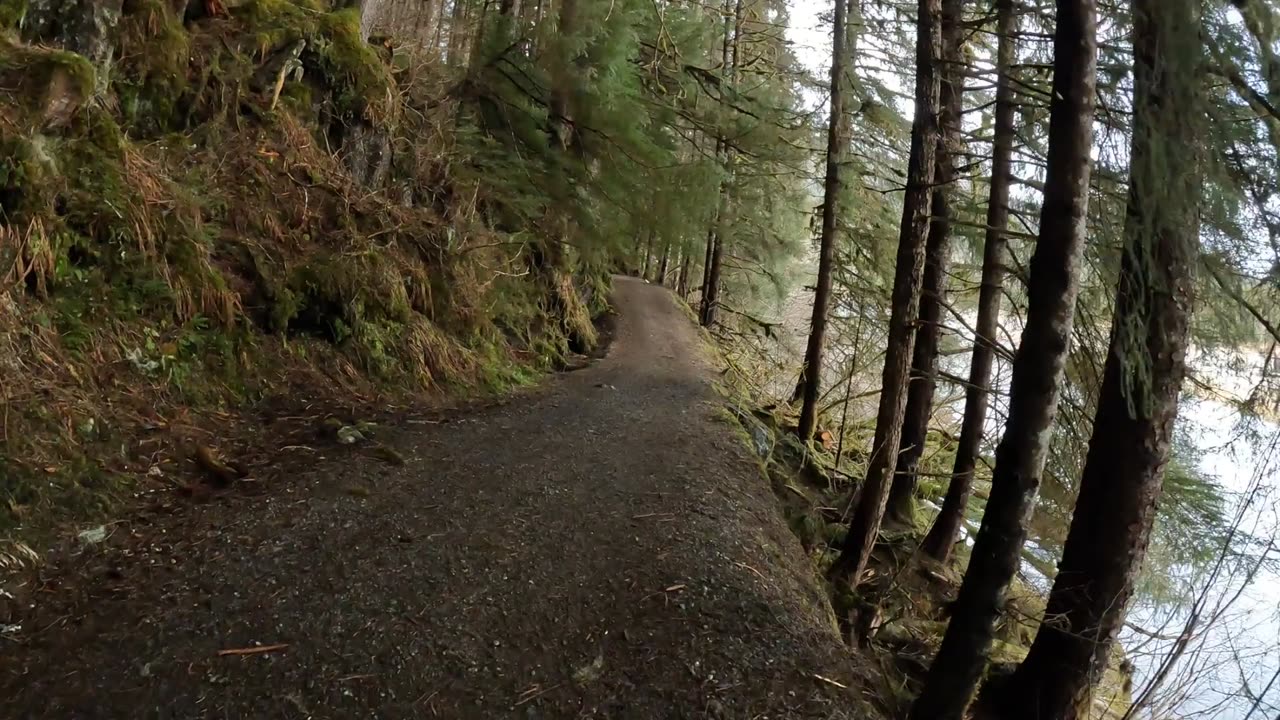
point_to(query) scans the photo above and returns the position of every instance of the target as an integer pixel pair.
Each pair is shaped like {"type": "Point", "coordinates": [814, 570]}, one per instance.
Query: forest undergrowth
{"type": "Point", "coordinates": [896, 618]}
{"type": "Point", "coordinates": [251, 221]}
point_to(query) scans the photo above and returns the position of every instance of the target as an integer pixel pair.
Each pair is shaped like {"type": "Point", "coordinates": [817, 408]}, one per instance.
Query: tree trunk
{"type": "Point", "coordinates": [811, 371]}
{"type": "Point", "coordinates": [648, 254]}
{"type": "Point", "coordinates": [946, 526]}
{"type": "Point", "coordinates": [1037, 372]}
{"type": "Point", "coordinates": [682, 282]}
{"type": "Point", "coordinates": [711, 289]}
{"type": "Point", "coordinates": [438, 40]}
{"type": "Point", "coordinates": [479, 36]}
{"type": "Point", "coordinates": [429, 25]}
{"type": "Point", "coordinates": [924, 359]}
{"type": "Point", "coordinates": [453, 53]}
{"type": "Point", "coordinates": [662, 265]}
{"type": "Point", "coordinates": [559, 110]}
{"type": "Point", "coordinates": [704, 301]}
{"type": "Point", "coordinates": [1124, 469]}
{"type": "Point", "coordinates": [713, 232]}
{"type": "Point", "coordinates": [715, 250]}
{"type": "Point", "coordinates": [869, 511]}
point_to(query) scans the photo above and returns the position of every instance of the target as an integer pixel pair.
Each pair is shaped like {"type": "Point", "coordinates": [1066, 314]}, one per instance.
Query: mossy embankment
{"type": "Point", "coordinates": [233, 216]}
{"type": "Point", "coordinates": [896, 618]}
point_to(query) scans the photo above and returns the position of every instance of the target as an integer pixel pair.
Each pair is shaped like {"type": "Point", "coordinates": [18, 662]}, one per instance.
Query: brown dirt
{"type": "Point", "coordinates": [602, 547]}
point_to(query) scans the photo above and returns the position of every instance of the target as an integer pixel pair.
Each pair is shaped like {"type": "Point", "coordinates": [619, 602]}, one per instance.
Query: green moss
{"type": "Point", "coordinates": [12, 13]}
{"type": "Point", "coordinates": [23, 180]}
{"type": "Point", "coordinates": [37, 63]}
{"type": "Point", "coordinates": [47, 85]}
{"type": "Point", "coordinates": [298, 98]}
{"type": "Point", "coordinates": [359, 303]}
{"type": "Point", "coordinates": [99, 128]}
{"type": "Point", "coordinates": [95, 196]}
{"type": "Point", "coordinates": [152, 83]}
{"type": "Point", "coordinates": [597, 288]}
{"type": "Point", "coordinates": [337, 55]}
{"type": "Point", "coordinates": [361, 80]}
{"type": "Point", "coordinates": [277, 21]}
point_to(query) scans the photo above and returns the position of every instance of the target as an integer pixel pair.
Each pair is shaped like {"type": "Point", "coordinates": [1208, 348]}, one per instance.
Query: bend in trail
{"type": "Point", "coordinates": [601, 548]}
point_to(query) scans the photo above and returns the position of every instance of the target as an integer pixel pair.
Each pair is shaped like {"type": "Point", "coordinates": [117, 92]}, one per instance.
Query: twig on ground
{"type": "Point", "coordinates": [748, 567]}
{"type": "Point", "coordinates": [533, 692]}
{"type": "Point", "coordinates": [258, 650]}
{"type": "Point", "coordinates": [831, 682]}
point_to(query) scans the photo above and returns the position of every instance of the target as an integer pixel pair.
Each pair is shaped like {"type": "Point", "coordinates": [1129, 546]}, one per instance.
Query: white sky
{"type": "Point", "coordinates": [810, 37]}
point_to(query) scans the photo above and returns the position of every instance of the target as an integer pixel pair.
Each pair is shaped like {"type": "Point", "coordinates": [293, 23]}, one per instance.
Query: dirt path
{"type": "Point", "coordinates": [603, 547]}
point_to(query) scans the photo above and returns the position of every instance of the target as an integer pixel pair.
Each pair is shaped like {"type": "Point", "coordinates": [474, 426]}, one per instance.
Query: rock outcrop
{"type": "Point", "coordinates": [85, 27]}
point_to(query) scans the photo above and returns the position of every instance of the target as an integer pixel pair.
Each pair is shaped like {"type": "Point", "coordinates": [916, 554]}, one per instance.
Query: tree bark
{"type": "Point", "coordinates": [1124, 469]}
{"type": "Point", "coordinates": [715, 241]}
{"type": "Point", "coordinates": [663, 264]}
{"type": "Point", "coordinates": [869, 509]}
{"type": "Point", "coordinates": [559, 110]}
{"type": "Point", "coordinates": [478, 38]}
{"type": "Point", "coordinates": [711, 287]}
{"type": "Point", "coordinates": [946, 526]}
{"type": "Point", "coordinates": [428, 25]}
{"type": "Point", "coordinates": [924, 359]}
{"type": "Point", "coordinates": [1037, 372]}
{"type": "Point", "coordinates": [709, 249]}
{"type": "Point", "coordinates": [682, 282]}
{"type": "Point", "coordinates": [811, 371]}
{"type": "Point", "coordinates": [457, 34]}
{"type": "Point", "coordinates": [648, 254]}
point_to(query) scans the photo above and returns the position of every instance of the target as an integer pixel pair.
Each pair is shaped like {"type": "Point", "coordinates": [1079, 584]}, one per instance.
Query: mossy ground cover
{"type": "Point", "coordinates": [188, 247]}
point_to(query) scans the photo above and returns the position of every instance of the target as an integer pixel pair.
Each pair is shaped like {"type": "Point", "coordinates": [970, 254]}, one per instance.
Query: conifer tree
{"type": "Point", "coordinates": [1133, 428]}
{"type": "Point", "coordinates": [1053, 287]}
{"type": "Point", "coordinates": [928, 327]}
{"type": "Point", "coordinates": [869, 507]}
{"type": "Point", "coordinates": [811, 372]}
{"type": "Point", "coordinates": [946, 525]}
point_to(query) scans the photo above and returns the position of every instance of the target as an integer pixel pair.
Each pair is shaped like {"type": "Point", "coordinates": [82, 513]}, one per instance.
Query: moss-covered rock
{"type": "Point", "coordinates": [85, 27]}
{"type": "Point", "coordinates": [48, 86]}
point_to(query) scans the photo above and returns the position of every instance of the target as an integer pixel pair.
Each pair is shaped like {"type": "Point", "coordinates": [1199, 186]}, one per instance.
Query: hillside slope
{"type": "Point", "coordinates": [205, 221]}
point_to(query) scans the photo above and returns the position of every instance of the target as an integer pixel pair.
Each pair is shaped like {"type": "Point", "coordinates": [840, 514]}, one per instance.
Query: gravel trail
{"type": "Point", "coordinates": [602, 547]}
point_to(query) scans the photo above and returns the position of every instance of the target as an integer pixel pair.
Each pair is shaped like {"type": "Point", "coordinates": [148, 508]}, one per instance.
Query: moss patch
{"type": "Point", "coordinates": [11, 13]}
{"type": "Point", "coordinates": [48, 86]}
{"type": "Point", "coordinates": [152, 82]}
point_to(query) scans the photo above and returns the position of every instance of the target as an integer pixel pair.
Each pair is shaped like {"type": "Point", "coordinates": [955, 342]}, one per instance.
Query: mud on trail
{"type": "Point", "coordinates": [602, 547]}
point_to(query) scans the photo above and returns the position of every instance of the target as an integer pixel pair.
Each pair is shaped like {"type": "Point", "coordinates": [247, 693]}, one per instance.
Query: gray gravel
{"type": "Point", "coordinates": [602, 547]}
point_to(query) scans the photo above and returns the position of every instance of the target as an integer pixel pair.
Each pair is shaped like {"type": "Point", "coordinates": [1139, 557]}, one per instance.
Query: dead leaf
{"type": "Point", "coordinates": [219, 472]}
{"type": "Point", "coordinates": [590, 672]}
